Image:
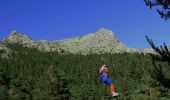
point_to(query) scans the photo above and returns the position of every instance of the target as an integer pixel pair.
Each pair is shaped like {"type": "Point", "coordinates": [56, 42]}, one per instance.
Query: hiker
{"type": "Point", "coordinates": [103, 72]}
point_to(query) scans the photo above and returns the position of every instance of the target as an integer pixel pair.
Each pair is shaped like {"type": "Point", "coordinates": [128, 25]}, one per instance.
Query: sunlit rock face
{"type": "Point", "coordinates": [16, 37]}
{"type": "Point", "coordinates": [4, 51]}
{"type": "Point", "coordinates": [102, 41]}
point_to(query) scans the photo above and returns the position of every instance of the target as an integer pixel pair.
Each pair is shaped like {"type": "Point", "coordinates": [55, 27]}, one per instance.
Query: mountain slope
{"type": "Point", "coordinates": [4, 51]}
{"type": "Point", "coordinates": [32, 75]}
{"type": "Point", "coordinates": [102, 41]}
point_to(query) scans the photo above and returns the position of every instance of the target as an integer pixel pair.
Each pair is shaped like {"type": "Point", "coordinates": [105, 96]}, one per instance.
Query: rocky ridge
{"type": "Point", "coordinates": [4, 51]}
{"type": "Point", "coordinates": [103, 41]}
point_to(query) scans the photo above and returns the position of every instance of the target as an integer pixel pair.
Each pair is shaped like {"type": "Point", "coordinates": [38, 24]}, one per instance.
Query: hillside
{"type": "Point", "coordinates": [31, 74]}
{"type": "Point", "coordinates": [102, 41]}
{"type": "Point", "coordinates": [4, 51]}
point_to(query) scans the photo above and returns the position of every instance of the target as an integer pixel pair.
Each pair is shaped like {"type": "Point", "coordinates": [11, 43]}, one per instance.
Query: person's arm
{"type": "Point", "coordinates": [101, 70]}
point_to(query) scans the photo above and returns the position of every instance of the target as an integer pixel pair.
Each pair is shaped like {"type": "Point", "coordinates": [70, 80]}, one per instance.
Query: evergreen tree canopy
{"type": "Point", "coordinates": [163, 7]}
{"type": "Point", "coordinates": [30, 74]}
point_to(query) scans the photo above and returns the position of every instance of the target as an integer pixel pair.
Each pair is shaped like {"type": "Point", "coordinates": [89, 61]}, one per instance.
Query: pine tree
{"type": "Point", "coordinates": [163, 55]}
{"type": "Point", "coordinates": [164, 11]}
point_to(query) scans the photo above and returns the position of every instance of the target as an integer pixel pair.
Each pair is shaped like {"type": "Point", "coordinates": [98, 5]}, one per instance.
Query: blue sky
{"type": "Point", "coordinates": [52, 20]}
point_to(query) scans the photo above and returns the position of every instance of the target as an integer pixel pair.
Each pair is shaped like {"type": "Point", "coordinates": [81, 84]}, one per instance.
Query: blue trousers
{"type": "Point", "coordinates": [106, 80]}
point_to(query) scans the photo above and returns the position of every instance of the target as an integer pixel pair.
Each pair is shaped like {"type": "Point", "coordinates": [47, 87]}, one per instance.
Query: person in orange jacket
{"type": "Point", "coordinates": [103, 72]}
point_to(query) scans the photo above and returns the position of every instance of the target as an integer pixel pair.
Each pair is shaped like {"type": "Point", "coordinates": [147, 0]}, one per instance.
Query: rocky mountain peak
{"type": "Point", "coordinates": [16, 37]}
{"type": "Point", "coordinates": [102, 41]}
{"type": "Point", "coordinates": [103, 30]}
{"type": "Point", "coordinates": [14, 32]}
{"type": "Point", "coordinates": [107, 34]}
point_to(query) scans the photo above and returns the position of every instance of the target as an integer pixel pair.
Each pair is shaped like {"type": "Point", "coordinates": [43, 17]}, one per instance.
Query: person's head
{"type": "Point", "coordinates": [106, 70]}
